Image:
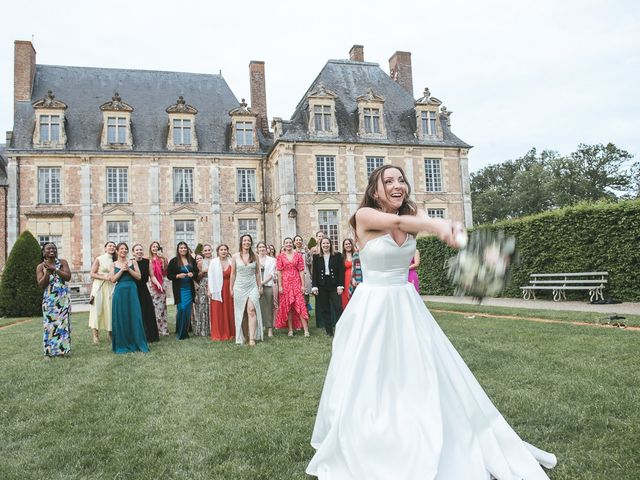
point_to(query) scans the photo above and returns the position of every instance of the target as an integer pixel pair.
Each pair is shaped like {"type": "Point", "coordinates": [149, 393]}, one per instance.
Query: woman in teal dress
{"type": "Point", "coordinates": [52, 275]}
{"type": "Point", "coordinates": [182, 272]}
{"type": "Point", "coordinates": [126, 316]}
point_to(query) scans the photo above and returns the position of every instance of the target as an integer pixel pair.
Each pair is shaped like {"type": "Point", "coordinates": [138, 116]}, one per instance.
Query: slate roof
{"type": "Point", "coordinates": [348, 80]}
{"type": "Point", "coordinates": [148, 92]}
{"type": "Point", "coordinates": [3, 167]}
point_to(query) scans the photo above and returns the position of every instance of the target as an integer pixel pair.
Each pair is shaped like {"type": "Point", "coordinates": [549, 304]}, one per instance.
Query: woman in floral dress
{"type": "Point", "coordinates": [157, 286]}
{"type": "Point", "coordinates": [52, 275]}
{"type": "Point", "coordinates": [202, 323]}
{"type": "Point", "coordinates": [292, 309]}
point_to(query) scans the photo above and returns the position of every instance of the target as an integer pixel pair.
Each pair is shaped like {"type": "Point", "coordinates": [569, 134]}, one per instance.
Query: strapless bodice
{"type": "Point", "coordinates": [384, 262]}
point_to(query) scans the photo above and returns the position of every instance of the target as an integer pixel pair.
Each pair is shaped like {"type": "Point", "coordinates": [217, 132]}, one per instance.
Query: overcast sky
{"type": "Point", "coordinates": [517, 74]}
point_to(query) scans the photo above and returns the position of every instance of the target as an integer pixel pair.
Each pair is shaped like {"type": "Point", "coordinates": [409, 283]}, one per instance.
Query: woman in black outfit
{"type": "Point", "coordinates": [183, 272]}
{"type": "Point", "coordinates": [327, 283]}
{"type": "Point", "coordinates": [146, 304]}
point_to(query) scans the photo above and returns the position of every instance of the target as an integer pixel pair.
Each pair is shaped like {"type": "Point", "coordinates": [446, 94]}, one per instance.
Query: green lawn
{"type": "Point", "coordinates": [197, 409]}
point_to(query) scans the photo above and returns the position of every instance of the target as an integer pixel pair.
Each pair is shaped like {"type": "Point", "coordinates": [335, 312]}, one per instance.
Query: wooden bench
{"type": "Point", "coordinates": [559, 283]}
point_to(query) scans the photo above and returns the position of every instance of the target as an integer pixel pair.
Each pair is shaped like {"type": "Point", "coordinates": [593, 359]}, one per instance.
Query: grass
{"type": "Point", "coordinates": [197, 409]}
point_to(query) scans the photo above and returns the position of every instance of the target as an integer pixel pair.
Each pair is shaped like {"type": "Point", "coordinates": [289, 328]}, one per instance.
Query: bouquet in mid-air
{"type": "Point", "coordinates": [482, 266]}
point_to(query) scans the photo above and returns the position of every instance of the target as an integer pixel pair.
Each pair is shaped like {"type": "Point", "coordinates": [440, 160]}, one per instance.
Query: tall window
{"type": "Point", "coordinates": [117, 185]}
{"type": "Point", "coordinates": [183, 185]}
{"type": "Point", "coordinates": [328, 223]}
{"type": "Point", "coordinates": [186, 232]}
{"type": "Point", "coordinates": [49, 128]}
{"type": "Point", "coordinates": [250, 226]}
{"type": "Point", "coordinates": [246, 184]}
{"type": "Point", "coordinates": [322, 118]}
{"type": "Point", "coordinates": [244, 134]}
{"type": "Point", "coordinates": [181, 131]}
{"type": "Point", "coordinates": [372, 120]}
{"type": "Point", "coordinates": [116, 130]}
{"type": "Point", "coordinates": [326, 174]}
{"type": "Point", "coordinates": [428, 123]}
{"type": "Point", "coordinates": [118, 232]}
{"type": "Point", "coordinates": [435, 212]}
{"type": "Point", "coordinates": [55, 239]}
{"type": "Point", "coordinates": [433, 175]}
{"type": "Point", "coordinates": [373, 163]}
{"type": "Point", "coordinates": [49, 185]}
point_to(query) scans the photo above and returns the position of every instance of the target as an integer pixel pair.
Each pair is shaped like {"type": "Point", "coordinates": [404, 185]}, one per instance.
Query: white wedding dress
{"type": "Point", "coordinates": [399, 403]}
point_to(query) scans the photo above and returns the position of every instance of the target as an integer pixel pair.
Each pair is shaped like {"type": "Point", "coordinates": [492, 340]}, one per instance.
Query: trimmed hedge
{"type": "Point", "coordinates": [589, 237]}
{"type": "Point", "coordinates": [20, 295]}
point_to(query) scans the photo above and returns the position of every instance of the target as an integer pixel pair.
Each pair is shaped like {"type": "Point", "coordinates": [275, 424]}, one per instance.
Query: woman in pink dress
{"type": "Point", "coordinates": [347, 255]}
{"type": "Point", "coordinates": [292, 310]}
{"type": "Point", "coordinates": [413, 273]}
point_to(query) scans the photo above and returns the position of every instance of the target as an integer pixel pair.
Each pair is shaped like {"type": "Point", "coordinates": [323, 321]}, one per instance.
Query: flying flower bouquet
{"type": "Point", "coordinates": [481, 268]}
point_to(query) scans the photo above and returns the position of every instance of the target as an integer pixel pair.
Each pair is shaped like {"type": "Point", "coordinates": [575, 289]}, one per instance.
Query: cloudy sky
{"type": "Point", "coordinates": [517, 74]}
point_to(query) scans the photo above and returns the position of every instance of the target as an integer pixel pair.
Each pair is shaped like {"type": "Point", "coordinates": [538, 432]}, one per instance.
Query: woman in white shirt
{"type": "Point", "coordinates": [267, 271]}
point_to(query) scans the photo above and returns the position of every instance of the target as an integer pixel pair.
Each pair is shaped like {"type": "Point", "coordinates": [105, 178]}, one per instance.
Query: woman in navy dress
{"type": "Point", "coordinates": [126, 316]}
{"type": "Point", "coordinates": [182, 272]}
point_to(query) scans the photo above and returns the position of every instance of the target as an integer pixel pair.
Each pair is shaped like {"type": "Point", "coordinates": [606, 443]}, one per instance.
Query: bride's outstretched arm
{"type": "Point", "coordinates": [370, 220]}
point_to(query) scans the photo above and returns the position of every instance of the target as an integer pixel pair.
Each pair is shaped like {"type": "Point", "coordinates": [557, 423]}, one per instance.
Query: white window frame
{"type": "Point", "coordinates": [433, 174]}
{"type": "Point", "coordinates": [183, 185]}
{"type": "Point", "coordinates": [246, 184]}
{"type": "Point", "coordinates": [182, 131]}
{"type": "Point", "coordinates": [250, 226]}
{"type": "Point", "coordinates": [185, 231]}
{"type": "Point", "coordinates": [372, 163]}
{"type": "Point", "coordinates": [55, 239]}
{"type": "Point", "coordinates": [244, 134]}
{"type": "Point", "coordinates": [117, 185]}
{"type": "Point", "coordinates": [330, 229]}
{"type": "Point", "coordinates": [436, 212]}
{"type": "Point", "coordinates": [46, 128]}
{"type": "Point", "coordinates": [326, 173]}
{"type": "Point", "coordinates": [117, 125]}
{"type": "Point", "coordinates": [322, 118]}
{"type": "Point", "coordinates": [428, 119]}
{"type": "Point", "coordinates": [372, 120]}
{"type": "Point", "coordinates": [119, 231]}
{"type": "Point", "coordinates": [49, 186]}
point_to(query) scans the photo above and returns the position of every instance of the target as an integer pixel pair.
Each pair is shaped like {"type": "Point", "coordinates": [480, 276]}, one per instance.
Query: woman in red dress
{"type": "Point", "coordinates": [347, 255]}
{"type": "Point", "coordinates": [222, 318]}
{"type": "Point", "coordinates": [292, 309]}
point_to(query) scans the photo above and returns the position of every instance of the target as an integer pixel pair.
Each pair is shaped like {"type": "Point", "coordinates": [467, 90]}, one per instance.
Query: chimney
{"type": "Point", "coordinates": [400, 70]}
{"type": "Point", "coordinates": [259, 94]}
{"type": "Point", "coordinates": [24, 69]}
{"type": "Point", "coordinates": [356, 54]}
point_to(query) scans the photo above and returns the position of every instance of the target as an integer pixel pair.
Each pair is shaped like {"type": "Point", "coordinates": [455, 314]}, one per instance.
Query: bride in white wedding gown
{"type": "Point", "coordinates": [398, 402]}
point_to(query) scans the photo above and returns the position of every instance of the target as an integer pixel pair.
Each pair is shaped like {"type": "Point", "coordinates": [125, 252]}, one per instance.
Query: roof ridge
{"type": "Point", "coordinates": [128, 70]}
{"type": "Point", "coordinates": [353, 62]}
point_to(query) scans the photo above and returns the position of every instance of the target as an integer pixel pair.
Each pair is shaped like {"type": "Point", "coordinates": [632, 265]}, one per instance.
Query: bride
{"type": "Point", "coordinates": [398, 402]}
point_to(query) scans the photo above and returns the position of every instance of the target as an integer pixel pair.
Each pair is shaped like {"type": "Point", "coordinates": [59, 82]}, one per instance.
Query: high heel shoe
{"type": "Point", "coordinates": [306, 334]}
{"type": "Point", "coordinates": [252, 343]}
{"type": "Point", "coordinates": [290, 334]}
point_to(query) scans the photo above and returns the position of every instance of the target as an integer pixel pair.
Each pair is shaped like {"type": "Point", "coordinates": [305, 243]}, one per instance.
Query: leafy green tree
{"type": "Point", "coordinates": [539, 182]}
{"type": "Point", "coordinates": [20, 295]}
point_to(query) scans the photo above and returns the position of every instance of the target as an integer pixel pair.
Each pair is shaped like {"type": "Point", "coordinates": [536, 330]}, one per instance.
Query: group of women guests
{"type": "Point", "coordinates": [217, 294]}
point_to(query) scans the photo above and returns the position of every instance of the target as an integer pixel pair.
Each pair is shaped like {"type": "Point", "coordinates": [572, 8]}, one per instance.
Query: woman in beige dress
{"type": "Point", "coordinates": [101, 292]}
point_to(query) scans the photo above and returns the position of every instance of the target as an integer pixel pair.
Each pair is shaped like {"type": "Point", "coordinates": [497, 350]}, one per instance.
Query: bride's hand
{"type": "Point", "coordinates": [450, 232]}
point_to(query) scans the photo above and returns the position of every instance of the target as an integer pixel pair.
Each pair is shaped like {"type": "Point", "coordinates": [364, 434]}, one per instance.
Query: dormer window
{"type": "Point", "coordinates": [322, 113]}
{"type": "Point", "coordinates": [428, 125]}
{"type": "Point", "coordinates": [371, 116]}
{"type": "Point", "coordinates": [243, 128]}
{"type": "Point", "coordinates": [116, 133]}
{"type": "Point", "coordinates": [182, 132]}
{"type": "Point", "coordinates": [49, 131]}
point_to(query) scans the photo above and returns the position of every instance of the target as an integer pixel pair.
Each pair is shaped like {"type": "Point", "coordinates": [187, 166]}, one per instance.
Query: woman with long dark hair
{"type": "Point", "coordinates": [398, 400]}
{"type": "Point", "coordinates": [52, 276]}
{"type": "Point", "coordinates": [223, 325]}
{"type": "Point", "coordinates": [267, 273]}
{"type": "Point", "coordinates": [128, 331]}
{"type": "Point", "coordinates": [157, 284]}
{"type": "Point", "coordinates": [182, 272]}
{"type": "Point", "coordinates": [202, 323]}
{"type": "Point", "coordinates": [146, 303]}
{"type": "Point", "coordinates": [328, 285]}
{"type": "Point", "coordinates": [101, 292]}
{"type": "Point", "coordinates": [246, 290]}
{"type": "Point", "coordinates": [348, 250]}
{"type": "Point", "coordinates": [292, 309]}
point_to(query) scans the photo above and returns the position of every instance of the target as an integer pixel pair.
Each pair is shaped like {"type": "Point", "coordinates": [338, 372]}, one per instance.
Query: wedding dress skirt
{"type": "Point", "coordinates": [398, 402]}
